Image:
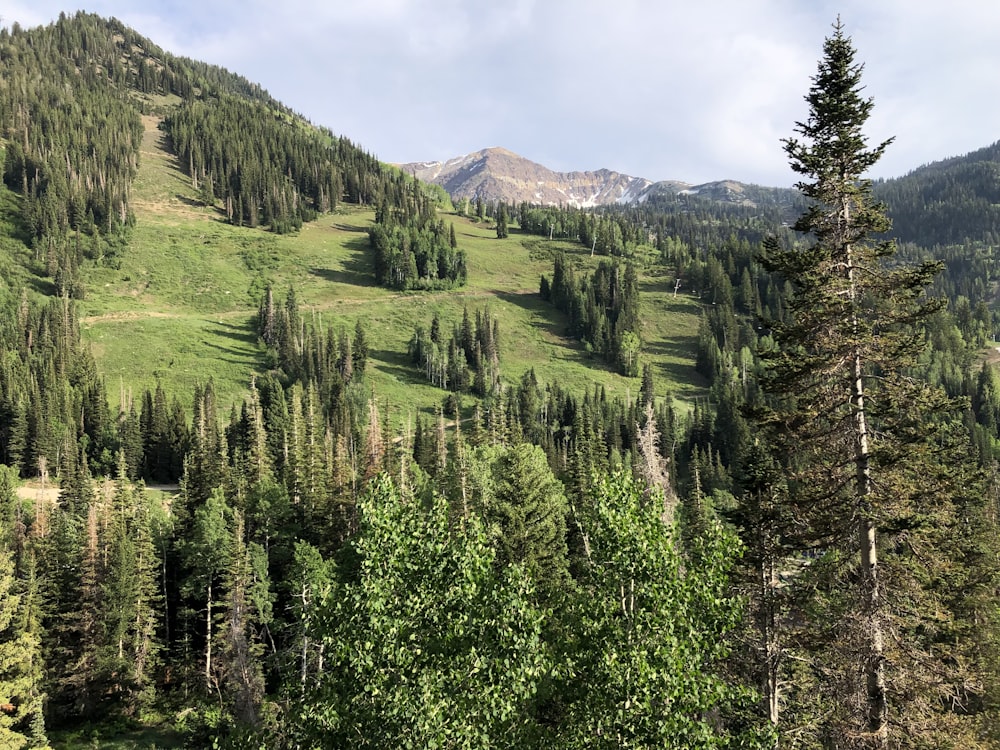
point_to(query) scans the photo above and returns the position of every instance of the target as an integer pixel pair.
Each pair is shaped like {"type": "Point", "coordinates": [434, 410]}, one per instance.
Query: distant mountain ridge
{"type": "Point", "coordinates": [498, 174]}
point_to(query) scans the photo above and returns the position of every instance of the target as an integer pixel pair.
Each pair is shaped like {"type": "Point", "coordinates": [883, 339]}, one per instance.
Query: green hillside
{"type": "Point", "coordinates": [180, 307]}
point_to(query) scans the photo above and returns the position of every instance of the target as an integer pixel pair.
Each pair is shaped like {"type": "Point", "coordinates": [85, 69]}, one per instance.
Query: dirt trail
{"type": "Point", "coordinates": [49, 492]}
{"type": "Point", "coordinates": [125, 316]}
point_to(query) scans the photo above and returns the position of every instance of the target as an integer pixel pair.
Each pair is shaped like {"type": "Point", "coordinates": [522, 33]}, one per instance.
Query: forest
{"type": "Point", "coordinates": [806, 557]}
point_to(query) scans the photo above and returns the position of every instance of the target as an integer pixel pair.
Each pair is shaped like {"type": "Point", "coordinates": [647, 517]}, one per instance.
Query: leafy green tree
{"type": "Point", "coordinates": [247, 611]}
{"type": "Point", "coordinates": [310, 581]}
{"type": "Point", "coordinates": [628, 353]}
{"type": "Point", "coordinates": [427, 643]}
{"type": "Point", "coordinates": [650, 632]}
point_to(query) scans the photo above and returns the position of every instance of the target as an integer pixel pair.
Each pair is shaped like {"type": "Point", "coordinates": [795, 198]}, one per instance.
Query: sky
{"type": "Point", "coordinates": [690, 90]}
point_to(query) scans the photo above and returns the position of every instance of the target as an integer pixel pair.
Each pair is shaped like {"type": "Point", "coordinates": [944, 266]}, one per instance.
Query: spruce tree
{"type": "Point", "coordinates": [852, 425]}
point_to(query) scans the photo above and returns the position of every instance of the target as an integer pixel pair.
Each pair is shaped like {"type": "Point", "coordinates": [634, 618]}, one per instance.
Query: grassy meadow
{"type": "Point", "coordinates": [179, 308]}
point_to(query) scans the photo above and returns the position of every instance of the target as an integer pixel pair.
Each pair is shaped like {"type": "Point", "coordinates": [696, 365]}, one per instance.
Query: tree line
{"type": "Point", "coordinates": [602, 310]}
{"type": "Point", "coordinates": [446, 361]}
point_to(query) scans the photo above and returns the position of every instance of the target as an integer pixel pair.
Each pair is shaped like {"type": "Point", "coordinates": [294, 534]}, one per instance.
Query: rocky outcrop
{"type": "Point", "coordinates": [498, 174]}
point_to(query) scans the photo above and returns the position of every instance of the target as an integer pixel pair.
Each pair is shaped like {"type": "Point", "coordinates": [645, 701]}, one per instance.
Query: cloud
{"type": "Point", "coordinates": [691, 91]}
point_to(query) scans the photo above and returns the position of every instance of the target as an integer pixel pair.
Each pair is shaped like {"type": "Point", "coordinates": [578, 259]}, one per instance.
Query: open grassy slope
{"type": "Point", "coordinates": [180, 307]}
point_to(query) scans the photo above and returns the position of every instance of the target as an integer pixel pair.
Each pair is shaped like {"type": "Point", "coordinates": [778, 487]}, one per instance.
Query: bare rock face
{"type": "Point", "coordinates": [498, 174]}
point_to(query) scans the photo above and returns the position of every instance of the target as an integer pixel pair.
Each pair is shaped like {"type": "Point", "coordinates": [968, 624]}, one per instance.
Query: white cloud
{"type": "Point", "coordinates": [692, 91]}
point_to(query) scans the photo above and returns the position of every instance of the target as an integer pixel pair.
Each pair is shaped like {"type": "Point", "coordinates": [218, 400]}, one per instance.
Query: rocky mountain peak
{"type": "Point", "coordinates": [498, 174]}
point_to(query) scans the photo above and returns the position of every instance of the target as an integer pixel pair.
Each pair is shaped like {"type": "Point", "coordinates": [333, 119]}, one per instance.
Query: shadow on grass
{"type": "Point", "coordinates": [240, 357]}
{"type": "Point", "coordinates": [547, 319]}
{"type": "Point", "coordinates": [675, 361]}
{"type": "Point", "coordinates": [42, 286]}
{"type": "Point", "coordinates": [111, 738]}
{"type": "Point", "coordinates": [349, 228]}
{"type": "Point", "coordinates": [243, 333]}
{"type": "Point", "coordinates": [187, 201]}
{"type": "Point", "coordinates": [398, 365]}
{"type": "Point", "coordinates": [355, 270]}
{"type": "Point", "coordinates": [245, 352]}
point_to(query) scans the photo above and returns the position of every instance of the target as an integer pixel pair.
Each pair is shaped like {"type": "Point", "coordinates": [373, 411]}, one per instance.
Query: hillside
{"type": "Point", "coordinates": [181, 305]}
{"type": "Point", "coordinates": [948, 202]}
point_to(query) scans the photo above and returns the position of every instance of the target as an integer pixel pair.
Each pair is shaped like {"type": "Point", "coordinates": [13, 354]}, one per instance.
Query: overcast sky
{"type": "Point", "coordinates": [692, 90]}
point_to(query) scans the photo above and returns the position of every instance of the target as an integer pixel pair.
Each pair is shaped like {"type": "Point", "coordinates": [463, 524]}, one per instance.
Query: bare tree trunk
{"type": "Point", "coordinates": [772, 649]}
{"type": "Point", "coordinates": [208, 638]}
{"type": "Point", "coordinates": [877, 709]}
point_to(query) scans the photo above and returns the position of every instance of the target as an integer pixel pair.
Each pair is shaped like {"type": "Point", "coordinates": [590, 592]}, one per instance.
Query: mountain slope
{"type": "Point", "coordinates": [180, 306]}
{"type": "Point", "coordinates": [496, 174]}
{"type": "Point", "coordinates": [168, 282]}
{"type": "Point", "coordinates": [952, 201]}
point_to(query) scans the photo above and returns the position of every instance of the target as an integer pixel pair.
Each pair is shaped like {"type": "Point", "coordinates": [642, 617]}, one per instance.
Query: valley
{"type": "Point", "coordinates": [302, 449]}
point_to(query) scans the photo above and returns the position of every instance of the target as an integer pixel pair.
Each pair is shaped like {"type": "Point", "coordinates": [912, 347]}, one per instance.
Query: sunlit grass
{"type": "Point", "coordinates": [178, 309]}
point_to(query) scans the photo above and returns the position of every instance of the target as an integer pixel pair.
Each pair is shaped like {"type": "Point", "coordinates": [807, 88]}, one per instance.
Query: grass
{"type": "Point", "coordinates": [179, 309]}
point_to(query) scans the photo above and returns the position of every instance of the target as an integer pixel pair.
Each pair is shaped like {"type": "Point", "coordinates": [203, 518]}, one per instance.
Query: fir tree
{"type": "Point", "coordinates": [850, 423]}
{"type": "Point", "coordinates": [21, 723]}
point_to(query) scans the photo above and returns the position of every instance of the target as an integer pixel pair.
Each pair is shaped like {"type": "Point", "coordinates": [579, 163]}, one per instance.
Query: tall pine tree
{"type": "Point", "coordinates": [858, 436]}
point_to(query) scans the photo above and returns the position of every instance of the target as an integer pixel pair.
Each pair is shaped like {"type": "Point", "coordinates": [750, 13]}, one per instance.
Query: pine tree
{"type": "Point", "coordinates": [502, 231]}
{"type": "Point", "coordinates": [130, 599]}
{"type": "Point", "coordinates": [850, 423]}
{"type": "Point", "coordinates": [524, 507]}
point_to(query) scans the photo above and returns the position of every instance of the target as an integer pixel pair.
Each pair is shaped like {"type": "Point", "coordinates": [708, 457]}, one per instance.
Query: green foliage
{"type": "Point", "coordinates": [20, 695]}
{"type": "Point", "coordinates": [263, 169]}
{"type": "Point", "coordinates": [430, 630]}
{"type": "Point", "coordinates": [524, 510]}
{"type": "Point", "coordinates": [428, 643]}
{"type": "Point", "coordinates": [73, 139]}
{"type": "Point", "coordinates": [652, 631]}
{"type": "Point", "coordinates": [411, 247]}
{"type": "Point", "coordinates": [857, 440]}
{"type": "Point", "coordinates": [603, 310]}
{"type": "Point", "coordinates": [501, 217]}
{"type": "Point", "coordinates": [446, 363]}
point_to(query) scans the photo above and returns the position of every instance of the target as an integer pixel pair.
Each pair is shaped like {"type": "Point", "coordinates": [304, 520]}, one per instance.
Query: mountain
{"type": "Point", "coordinates": [498, 174]}
{"type": "Point", "coordinates": [948, 202]}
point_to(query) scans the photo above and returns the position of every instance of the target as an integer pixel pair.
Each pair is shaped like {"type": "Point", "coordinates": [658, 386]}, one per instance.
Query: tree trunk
{"type": "Point", "coordinates": [871, 617]}
{"type": "Point", "coordinates": [208, 638]}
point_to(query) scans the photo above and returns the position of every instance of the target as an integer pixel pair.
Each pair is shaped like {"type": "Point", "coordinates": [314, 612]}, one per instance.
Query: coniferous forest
{"type": "Point", "coordinates": [804, 557]}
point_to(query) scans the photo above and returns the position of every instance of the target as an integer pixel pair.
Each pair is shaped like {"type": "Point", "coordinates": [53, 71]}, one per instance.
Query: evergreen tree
{"type": "Point", "coordinates": [502, 231]}
{"type": "Point", "coordinates": [130, 600]}
{"type": "Point", "coordinates": [524, 509]}
{"type": "Point", "coordinates": [850, 423]}
{"type": "Point", "coordinates": [20, 657]}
